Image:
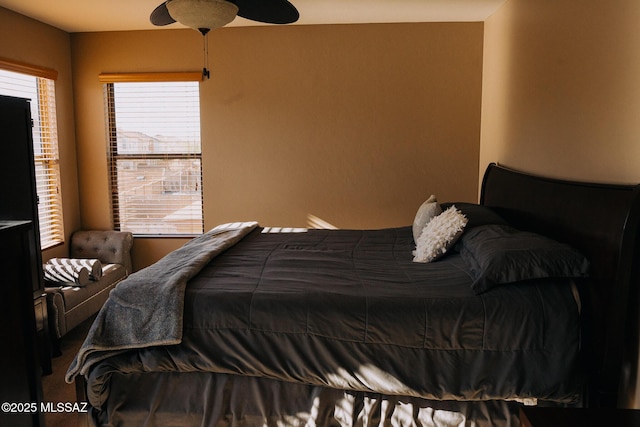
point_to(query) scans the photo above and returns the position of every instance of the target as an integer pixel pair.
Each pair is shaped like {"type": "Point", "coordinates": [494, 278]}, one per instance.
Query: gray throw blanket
{"type": "Point", "coordinates": [146, 309]}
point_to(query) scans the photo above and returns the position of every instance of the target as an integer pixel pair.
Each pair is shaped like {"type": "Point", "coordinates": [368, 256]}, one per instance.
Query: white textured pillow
{"type": "Point", "coordinates": [439, 235]}
{"type": "Point", "coordinates": [426, 212]}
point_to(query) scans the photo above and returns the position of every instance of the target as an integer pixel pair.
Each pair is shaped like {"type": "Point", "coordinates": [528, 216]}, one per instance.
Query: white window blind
{"type": "Point", "coordinates": [41, 92]}
{"type": "Point", "coordinates": [155, 156]}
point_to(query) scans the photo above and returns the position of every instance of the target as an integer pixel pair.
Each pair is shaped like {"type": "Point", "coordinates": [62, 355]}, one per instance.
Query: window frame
{"type": "Point", "coordinates": [108, 81]}
{"type": "Point", "coordinates": [47, 153]}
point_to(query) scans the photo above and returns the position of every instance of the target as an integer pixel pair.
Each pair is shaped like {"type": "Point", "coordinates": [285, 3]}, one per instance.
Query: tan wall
{"type": "Point", "coordinates": [356, 124]}
{"type": "Point", "coordinates": [561, 97]}
{"type": "Point", "coordinates": [561, 93]}
{"type": "Point", "coordinates": [31, 42]}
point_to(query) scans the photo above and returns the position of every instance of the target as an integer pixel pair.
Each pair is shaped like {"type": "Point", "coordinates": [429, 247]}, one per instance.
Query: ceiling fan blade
{"type": "Point", "coordinates": [269, 11]}
{"type": "Point", "coordinates": [160, 16]}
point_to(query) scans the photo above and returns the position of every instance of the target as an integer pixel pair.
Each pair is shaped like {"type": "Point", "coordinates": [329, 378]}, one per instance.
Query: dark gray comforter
{"type": "Point", "coordinates": [349, 310]}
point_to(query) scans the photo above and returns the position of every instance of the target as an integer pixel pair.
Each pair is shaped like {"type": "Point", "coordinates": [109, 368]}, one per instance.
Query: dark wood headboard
{"type": "Point", "coordinates": [602, 221]}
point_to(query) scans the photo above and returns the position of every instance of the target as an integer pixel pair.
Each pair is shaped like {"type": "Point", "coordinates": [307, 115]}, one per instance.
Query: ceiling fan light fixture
{"type": "Point", "coordinates": [202, 14]}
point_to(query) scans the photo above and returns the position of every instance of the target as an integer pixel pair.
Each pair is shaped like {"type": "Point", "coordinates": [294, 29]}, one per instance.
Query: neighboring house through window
{"type": "Point", "coordinates": [38, 85]}
{"type": "Point", "coordinates": [155, 156]}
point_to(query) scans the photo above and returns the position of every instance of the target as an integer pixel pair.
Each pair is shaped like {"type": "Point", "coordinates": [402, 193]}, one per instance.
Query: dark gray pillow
{"type": "Point", "coordinates": [476, 214]}
{"type": "Point", "coordinates": [500, 254]}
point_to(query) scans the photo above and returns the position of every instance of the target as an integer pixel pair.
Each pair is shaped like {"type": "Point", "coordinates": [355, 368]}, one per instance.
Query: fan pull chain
{"type": "Point", "coordinates": [205, 70]}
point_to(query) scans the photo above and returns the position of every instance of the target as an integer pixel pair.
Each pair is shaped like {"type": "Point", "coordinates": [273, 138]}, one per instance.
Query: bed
{"type": "Point", "coordinates": [254, 326]}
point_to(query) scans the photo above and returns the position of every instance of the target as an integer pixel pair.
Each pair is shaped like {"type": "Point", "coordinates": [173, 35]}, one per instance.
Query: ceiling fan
{"type": "Point", "coordinates": [205, 15]}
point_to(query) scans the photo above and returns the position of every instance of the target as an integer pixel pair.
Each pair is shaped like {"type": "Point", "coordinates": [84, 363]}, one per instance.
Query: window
{"type": "Point", "coordinates": [155, 156]}
{"type": "Point", "coordinates": [41, 91]}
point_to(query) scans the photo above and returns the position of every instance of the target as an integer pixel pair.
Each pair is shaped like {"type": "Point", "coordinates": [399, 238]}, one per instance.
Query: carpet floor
{"type": "Point", "coordinates": [54, 389]}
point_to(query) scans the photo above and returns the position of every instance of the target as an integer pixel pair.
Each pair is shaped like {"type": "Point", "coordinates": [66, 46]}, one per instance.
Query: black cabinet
{"type": "Point", "coordinates": [18, 197]}
{"type": "Point", "coordinates": [20, 386]}
{"type": "Point", "coordinates": [24, 325]}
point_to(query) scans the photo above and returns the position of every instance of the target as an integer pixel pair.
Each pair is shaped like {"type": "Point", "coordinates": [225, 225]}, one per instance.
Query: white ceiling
{"type": "Point", "coordinates": [121, 15]}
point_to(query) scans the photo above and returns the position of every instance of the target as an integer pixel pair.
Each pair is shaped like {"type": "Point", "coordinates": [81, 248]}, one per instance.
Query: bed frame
{"type": "Point", "coordinates": [602, 221]}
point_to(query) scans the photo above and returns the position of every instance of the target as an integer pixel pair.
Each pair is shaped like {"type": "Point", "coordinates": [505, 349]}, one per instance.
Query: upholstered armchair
{"type": "Point", "coordinates": [69, 304]}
